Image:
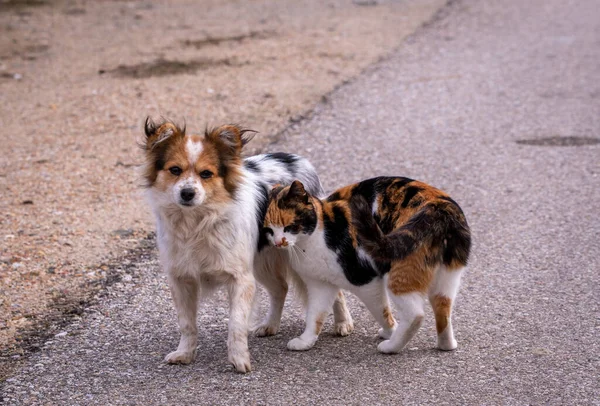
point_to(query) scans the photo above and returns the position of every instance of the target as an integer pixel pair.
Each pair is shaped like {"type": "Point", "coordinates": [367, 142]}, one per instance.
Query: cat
{"type": "Point", "coordinates": [383, 237]}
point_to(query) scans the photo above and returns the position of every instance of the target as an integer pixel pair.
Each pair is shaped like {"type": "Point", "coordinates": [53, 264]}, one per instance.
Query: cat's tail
{"type": "Point", "coordinates": [438, 224]}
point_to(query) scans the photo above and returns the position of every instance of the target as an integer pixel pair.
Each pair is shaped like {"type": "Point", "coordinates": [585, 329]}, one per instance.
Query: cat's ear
{"type": "Point", "coordinates": [297, 191]}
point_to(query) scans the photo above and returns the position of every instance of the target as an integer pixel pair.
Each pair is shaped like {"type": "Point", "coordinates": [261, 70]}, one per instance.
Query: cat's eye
{"type": "Point", "coordinates": [206, 174]}
{"type": "Point", "coordinates": [294, 228]}
{"type": "Point", "coordinates": [268, 230]}
{"type": "Point", "coordinates": [175, 170]}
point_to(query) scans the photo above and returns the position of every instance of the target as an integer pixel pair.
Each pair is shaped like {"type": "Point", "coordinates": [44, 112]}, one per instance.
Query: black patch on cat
{"type": "Point", "coordinates": [399, 183]}
{"type": "Point", "coordinates": [334, 197]}
{"type": "Point", "coordinates": [384, 185]}
{"type": "Point", "coordinates": [252, 166]}
{"type": "Point", "coordinates": [368, 188]}
{"type": "Point", "coordinates": [288, 160]}
{"type": "Point", "coordinates": [261, 212]}
{"type": "Point", "coordinates": [414, 203]}
{"type": "Point", "coordinates": [409, 193]}
{"type": "Point", "coordinates": [307, 221]}
{"type": "Point", "coordinates": [449, 199]}
{"type": "Point", "coordinates": [337, 238]}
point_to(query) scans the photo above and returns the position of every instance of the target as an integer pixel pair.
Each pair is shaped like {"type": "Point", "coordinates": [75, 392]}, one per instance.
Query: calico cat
{"type": "Point", "coordinates": [383, 237]}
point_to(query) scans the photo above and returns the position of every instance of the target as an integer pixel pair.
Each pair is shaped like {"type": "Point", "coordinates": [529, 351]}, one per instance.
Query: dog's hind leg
{"type": "Point", "coordinates": [270, 272]}
{"type": "Point", "coordinates": [185, 297]}
{"type": "Point", "coordinates": [341, 315]}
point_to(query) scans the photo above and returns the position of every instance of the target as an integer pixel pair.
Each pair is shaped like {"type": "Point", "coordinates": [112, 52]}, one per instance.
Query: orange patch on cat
{"type": "Point", "coordinates": [388, 317]}
{"type": "Point", "coordinates": [279, 217]}
{"type": "Point", "coordinates": [411, 274]}
{"type": "Point", "coordinates": [442, 306]}
{"type": "Point", "coordinates": [319, 323]}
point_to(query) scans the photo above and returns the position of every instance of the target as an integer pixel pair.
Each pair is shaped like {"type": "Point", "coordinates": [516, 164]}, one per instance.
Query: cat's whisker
{"type": "Point", "coordinates": [295, 254]}
{"type": "Point", "coordinates": [300, 252]}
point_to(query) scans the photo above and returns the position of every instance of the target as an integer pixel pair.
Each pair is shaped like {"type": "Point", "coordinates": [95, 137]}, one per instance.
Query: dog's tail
{"type": "Point", "coordinates": [440, 223]}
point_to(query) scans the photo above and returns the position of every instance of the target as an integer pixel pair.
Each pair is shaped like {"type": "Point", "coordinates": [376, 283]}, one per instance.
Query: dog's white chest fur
{"type": "Point", "coordinates": [206, 242]}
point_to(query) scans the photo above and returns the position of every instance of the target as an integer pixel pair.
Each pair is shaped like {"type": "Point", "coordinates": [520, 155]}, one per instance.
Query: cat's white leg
{"type": "Point", "coordinates": [374, 296]}
{"type": "Point", "coordinates": [321, 296]}
{"type": "Point", "coordinates": [270, 272]}
{"type": "Point", "coordinates": [411, 313]}
{"type": "Point", "coordinates": [442, 295]}
{"type": "Point", "coordinates": [185, 298]}
{"type": "Point", "coordinates": [341, 316]}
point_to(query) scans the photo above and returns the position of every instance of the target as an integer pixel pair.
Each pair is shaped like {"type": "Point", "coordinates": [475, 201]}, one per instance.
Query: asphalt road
{"type": "Point", "coordinates": [450, 107]}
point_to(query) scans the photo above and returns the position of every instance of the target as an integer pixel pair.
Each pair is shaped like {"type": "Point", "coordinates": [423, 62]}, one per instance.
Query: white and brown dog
{"type": "Point", "coordinates": [209, 206]}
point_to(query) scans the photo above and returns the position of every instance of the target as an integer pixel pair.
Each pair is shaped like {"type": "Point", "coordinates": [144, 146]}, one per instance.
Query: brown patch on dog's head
{"type": "Point", "coordinates": [159, 138]}
{"type": "Point", "coordinates": [228, 141]}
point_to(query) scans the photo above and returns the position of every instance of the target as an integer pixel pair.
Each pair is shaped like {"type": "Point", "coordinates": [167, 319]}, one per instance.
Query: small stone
{"type": "Point", "coordinates": [121, 233]}
{"type": "Point", "coordinates": [61, 334]}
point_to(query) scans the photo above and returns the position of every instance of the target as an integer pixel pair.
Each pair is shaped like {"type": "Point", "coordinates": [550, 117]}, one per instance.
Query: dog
{"type": "Point", "coordinates": [209, 206]}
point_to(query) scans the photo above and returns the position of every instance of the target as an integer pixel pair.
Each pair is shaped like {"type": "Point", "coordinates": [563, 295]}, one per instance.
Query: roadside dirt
{"type": "Point", "coordinates": [77, 79]}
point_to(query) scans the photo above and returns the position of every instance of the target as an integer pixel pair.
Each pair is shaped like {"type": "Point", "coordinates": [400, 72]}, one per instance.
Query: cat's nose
{"type": "Point", "coordinates": [282, 243]}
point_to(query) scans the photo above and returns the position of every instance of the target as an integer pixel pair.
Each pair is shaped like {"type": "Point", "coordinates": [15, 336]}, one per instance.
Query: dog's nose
{"type": "Point", "coordinates": [187, 194]}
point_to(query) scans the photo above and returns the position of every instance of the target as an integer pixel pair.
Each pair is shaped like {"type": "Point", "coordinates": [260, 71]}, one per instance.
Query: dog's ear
{"type": "Point", "coordinates": [158, 133]}
{"type": "Point", "coordinates": [297, 191]}
{"type": "Point", "coordinates": [232, 136]}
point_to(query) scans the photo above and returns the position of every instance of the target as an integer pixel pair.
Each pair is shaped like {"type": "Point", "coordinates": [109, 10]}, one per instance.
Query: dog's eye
{"type": "Point", "coordinates": [175, 170]}
{"type": "Point", "coordinates": [206, 174]}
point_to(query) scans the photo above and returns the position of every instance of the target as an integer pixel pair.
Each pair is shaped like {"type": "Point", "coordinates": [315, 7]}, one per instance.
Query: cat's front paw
{"type": "Point", "coordinates": [298, 344]}
{"type": "Point", "coordinates": [386, 347]}
{"type": "Point", "coordinates": [180, 357]}
{"type": "Point", "coordinates": [385, 333]}
{"type": "Point", "coordinates": [265, 330]}
{"type": "Point", "coordinates": [447, 344]}
{"type": "Point", "coordinates": [344, 328]}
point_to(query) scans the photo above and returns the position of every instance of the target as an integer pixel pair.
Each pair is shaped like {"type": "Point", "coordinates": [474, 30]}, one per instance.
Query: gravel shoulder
{"type": "Point", "coordinates": [77, 79]}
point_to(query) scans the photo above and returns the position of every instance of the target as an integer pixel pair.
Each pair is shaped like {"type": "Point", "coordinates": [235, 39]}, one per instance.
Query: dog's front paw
{"type": "Point", "coordinates": [344, 328]}
{"type": "Point", "coordinates": [180, 357]}
{"type": "Point", "coordinates": [241, 361]}
{"type": "Point", "coordinates": [298, 344]}
{"type": "Point", "coordinates": [265, 330]}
